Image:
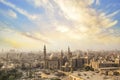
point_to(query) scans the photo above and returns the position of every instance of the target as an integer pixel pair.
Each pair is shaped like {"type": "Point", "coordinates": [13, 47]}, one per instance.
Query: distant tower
{"type": "Point", "coordinates": [69, 53]}
{"type": "Point", "coordinates": [44, 52]}
{"type": "Point", "coordinates": [68, 50]}
{"type": "Point", "coordinates": [61, 60]}
{"type": "Point", "coordinates": [61, 56]}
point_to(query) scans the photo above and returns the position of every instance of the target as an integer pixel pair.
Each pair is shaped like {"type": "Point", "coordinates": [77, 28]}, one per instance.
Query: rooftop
{"type": "Point", "coordinates": [89, 75]}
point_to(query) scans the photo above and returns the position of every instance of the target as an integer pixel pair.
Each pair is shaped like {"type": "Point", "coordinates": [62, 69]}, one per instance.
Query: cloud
{"type": "Point", "coordinates": [16, 39]}
{"type": "Point", "coordinates": [97, 2]}
{"type": "Point", "coordinates": [82, 15]}
{"type": "Point", "coordinates": [38, 3]}
{"type": "Point", "coordinates": [62, 29]}
{"type": "Point", "coordinates": [12, 14]}
{"type": "Point", "coordinates": [32, 36]}
{"type": "Point", "coordinates": [21, 11]}
{"type": "Point", "coordinates": [79, 21]}
{"type": "Point", "coordinates": [87, 23]}
{"type": "Point", "coordinates": [113, 14]}
{"type": "Point", "coordinates": [9, 13]}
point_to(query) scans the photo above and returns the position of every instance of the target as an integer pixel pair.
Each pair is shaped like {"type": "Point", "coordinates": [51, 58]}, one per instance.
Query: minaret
{"type": "Point", "coordinates": [61, 61]}
{"type": "Point", "coordinates": [69, 53]}
{"type": "Point", "coordinates": [44, 52]}
{"type": "Point", "coordinates": [61, 56]}
{"type": "Point", "coordinates": [68, 50]}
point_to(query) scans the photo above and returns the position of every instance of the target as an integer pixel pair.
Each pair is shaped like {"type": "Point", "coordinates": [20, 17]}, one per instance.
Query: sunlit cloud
{"type": "Point", "coordinates": [113, 14]}
{"type": "Point", "coordinates": [16, 39]}
{"type": "Point", "coordinates": [62, 29]}
{"type": "Point", "coordinates": [33, 36]}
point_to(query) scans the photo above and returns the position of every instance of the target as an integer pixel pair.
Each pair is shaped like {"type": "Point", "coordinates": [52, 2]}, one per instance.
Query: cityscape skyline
{"type": "Point", "coordinates": [88, 24]}
{"type": "Point", "coordinates": [69, 65]}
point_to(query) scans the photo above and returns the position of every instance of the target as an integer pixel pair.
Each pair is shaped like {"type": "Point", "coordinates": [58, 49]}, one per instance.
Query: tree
{"type": "Point", "coordinates": [11, 77]}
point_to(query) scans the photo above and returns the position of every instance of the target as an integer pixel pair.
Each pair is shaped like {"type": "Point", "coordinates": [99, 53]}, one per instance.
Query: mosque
{"type": "Point", "coordinates": [67, 63]}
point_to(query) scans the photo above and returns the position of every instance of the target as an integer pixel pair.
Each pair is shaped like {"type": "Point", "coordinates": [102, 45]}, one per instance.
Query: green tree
{"type": "Point", "coordinates": [11, 77]}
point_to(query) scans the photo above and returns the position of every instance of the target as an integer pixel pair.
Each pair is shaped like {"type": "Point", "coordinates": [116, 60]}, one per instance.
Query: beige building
{"type": "Point", "coordinates": [100, 65]}
{"type": "Point", "coordinates": [105, 67]}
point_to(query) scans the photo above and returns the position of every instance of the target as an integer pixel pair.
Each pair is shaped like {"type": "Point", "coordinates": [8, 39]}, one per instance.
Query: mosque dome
{"type": "Point", "coordinates": [66, 64]}
{"type": "Point", "coordinates": [52, 57]}
{"type": "Point", "coordinates": [65, 57]}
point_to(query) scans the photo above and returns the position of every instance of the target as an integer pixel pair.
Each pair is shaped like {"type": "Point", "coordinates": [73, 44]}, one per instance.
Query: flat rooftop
{"type": "Point", "coordinates": [89, 75]}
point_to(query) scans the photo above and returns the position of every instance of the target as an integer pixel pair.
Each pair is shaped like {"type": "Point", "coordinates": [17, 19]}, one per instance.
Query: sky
{"type": "Point", "coordinates": [80, 24]}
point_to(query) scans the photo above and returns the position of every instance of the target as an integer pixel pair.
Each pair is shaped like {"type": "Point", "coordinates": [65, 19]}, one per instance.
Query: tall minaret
{"type": "Point", "coordinates": [44, 52]}
{"type": "Point", "coordinates": [69, 53]}
{"type": "Point", "coordinates": [61, 56]}
{"type": "Point", "coordinates": [61, 60]}
{"type": "Point", "coordinates": [68, 50]}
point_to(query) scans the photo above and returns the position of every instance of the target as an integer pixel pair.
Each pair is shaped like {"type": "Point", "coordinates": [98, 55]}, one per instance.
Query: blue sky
{"type": "Point", "coordinates": [81, 24]}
